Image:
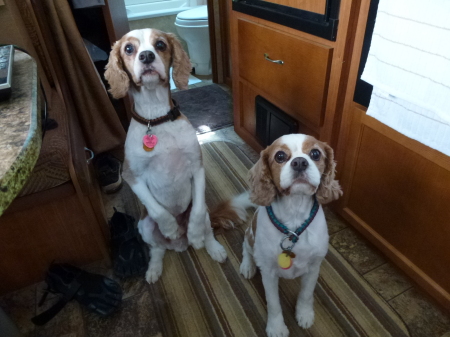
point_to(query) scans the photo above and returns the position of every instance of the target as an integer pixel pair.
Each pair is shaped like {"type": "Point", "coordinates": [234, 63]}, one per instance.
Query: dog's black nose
{"type": "Point", "coordinates": [299, 164]}
{"type": "Point", "coordinates": [146, 57]}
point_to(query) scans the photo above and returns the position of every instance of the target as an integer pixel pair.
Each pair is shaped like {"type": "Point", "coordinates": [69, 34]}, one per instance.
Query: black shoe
{"type": "Point", "coordinates": [96, 293]}
{"type": "Point", "coordinates": [127, 250]}
{"type": "Point", "coordinates": [108, 169]}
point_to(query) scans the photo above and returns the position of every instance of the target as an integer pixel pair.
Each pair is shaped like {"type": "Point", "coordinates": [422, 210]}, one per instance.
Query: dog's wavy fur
{"type": "Point", "coordinates": [170, 179]}
{"type": "Point", "coordinates": [289, 190]}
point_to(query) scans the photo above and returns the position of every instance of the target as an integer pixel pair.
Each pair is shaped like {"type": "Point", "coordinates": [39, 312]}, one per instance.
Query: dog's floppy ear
{"type": "Point", "coordinates": [262, 188]}
{"type": "Point", "coordinates": [180, 62]}
{"type": "Point", "coordinates": [329, 188]}
{"type": "Point", "coordinates": [115, 74]}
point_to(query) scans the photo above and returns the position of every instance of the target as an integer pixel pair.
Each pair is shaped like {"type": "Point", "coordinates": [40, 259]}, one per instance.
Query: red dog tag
{"type": "Point", "coordinates": [149, 142]}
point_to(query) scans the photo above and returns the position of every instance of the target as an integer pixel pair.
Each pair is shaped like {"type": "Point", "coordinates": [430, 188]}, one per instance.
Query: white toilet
{"type": "Point", "coordinates": [192, 26]}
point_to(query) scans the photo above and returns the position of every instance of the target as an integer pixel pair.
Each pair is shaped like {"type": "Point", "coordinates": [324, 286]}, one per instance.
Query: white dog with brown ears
{"type": "Point", "coordinates": [288, 236]}
{"type": "Point", "coordinates": [163, 162]}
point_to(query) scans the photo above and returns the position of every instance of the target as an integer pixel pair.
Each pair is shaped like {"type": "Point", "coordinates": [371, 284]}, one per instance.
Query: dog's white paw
{"type": "Point", "coordinates": [153, 273]}
{"type": "Point", "coordinates": [304, 316]}
{"type": "Point", "coordinates": [247, 268]}
{"type": "Point", "coordinates": [196, 240]}
{"type": "Point", "coordinates": [196, 232]}
{"type": "Point", "coordinates": [168, 226]}
{"type": "Point", "coordinates": [277, 328]}
{"type": "Point", "coordinates": [174, 233]}
{"type": "Point", "coordinates": [216, 251]}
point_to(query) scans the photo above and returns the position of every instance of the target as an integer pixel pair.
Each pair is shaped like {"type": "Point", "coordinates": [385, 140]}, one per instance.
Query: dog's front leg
{"type": "Point", "coordinates": [168, 225]}
{"type": "Point", "coordinates": [196, 226]}
{"type": "Point", "coordinates": [275, 321]}
{"type": "Point", "coordinates": [305, 302]}
{"type": "Point", "coordinates": [155, 266]}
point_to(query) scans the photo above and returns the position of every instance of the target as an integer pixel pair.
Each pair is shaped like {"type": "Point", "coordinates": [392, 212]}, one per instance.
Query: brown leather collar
{"type": "Point", "coordinates": [172, 115]}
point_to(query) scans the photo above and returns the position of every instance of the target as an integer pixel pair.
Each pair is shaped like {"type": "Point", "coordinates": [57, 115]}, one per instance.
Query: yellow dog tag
{"type": "Point", "coordinates": [285, 259]}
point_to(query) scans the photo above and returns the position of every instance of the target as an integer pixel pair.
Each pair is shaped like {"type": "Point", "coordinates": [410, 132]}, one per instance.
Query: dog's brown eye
{"type": "Point", "coordinates": [160, 45]}
{"type": "Point", "coordinates": [280, 157]}
{"type": "Point", "coordinates": [315, 154]}
{"type": "Point", "coordinates": [129, 49]}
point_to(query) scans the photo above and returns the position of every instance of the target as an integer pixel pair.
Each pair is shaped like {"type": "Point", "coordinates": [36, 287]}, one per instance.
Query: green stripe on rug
{"type": "Point", "coordinates": [199, 297]}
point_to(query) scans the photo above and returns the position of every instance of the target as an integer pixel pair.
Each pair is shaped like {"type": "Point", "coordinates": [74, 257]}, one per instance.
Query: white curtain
{"type": "Point", "coordinates": [409, 67]}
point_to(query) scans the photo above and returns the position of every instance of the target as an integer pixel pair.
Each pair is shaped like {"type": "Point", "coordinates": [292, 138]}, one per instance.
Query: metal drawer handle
{"type": "Point", "coordinates": [266, 56]}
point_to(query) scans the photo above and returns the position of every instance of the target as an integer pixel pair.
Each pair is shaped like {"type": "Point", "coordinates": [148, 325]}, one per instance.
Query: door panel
{"type": "Point", "coordinates": [396, 193]}
{"type": "Point", "coordinates": [412, 194]}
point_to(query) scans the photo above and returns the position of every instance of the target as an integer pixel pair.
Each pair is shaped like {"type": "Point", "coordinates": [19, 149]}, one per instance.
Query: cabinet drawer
{"type": "Point", "coordinates": [300, 84]}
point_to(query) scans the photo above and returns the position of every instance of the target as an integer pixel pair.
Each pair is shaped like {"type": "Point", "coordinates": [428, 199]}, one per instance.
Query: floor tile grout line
{"type": "Point", "coordinates": [374, 268]}
{"type": "Point", "coordinates": [369, 271]}
{"type": "Point", "coordinates": [357, 271]}
{"type": "Point", "coordinates": [409, 288]}
{"type": "Point", "coordinates": [340, 230]}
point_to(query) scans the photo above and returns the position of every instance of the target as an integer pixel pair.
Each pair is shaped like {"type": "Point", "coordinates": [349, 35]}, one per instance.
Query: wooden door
{"type": "Point", "coordinates": [219, 36]}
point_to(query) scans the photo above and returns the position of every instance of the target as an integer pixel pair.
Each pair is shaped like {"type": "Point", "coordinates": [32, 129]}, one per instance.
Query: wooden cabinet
{"type": "Point", "coordinates": [396, 190]}
{"type": "Point", "coordinates": [403, 197]}
{"type": "Point", "coordinates": [300, 83]}
{"type": "Point", "coordinates": [306, 86]}
{"type": "Point", "coordinates": [397, 193]}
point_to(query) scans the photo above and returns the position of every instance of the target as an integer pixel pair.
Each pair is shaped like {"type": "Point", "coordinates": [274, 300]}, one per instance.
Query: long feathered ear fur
{"type": "Point", "coordinates": [116, 76]}
{"type": "Point", "coordinates": [262, 188]}
{"type": "Point", "coordinates": [329, 188]}
{"type": "Point", "coordinates": [180, 62]}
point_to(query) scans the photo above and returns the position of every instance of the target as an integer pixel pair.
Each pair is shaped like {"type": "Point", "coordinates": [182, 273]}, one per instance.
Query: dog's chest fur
{"type": "Point", "coordinates": [312, 243]}
{"type": "Point", "coordinates": [168, 169]}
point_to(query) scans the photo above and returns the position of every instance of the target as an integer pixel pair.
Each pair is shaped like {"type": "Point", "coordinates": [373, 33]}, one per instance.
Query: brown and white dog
{"type": "Point", "coordinates": [170, 179]}
{"type": "Point", "coordinates": [288, 175]}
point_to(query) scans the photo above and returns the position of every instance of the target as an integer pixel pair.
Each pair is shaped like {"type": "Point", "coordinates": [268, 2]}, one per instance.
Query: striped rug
{"type": "Point", "coordinates": [199, 297]}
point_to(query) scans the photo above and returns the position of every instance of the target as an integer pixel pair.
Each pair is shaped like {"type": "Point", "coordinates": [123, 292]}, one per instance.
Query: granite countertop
{"type": "Point", "coordinates": [20, 129]}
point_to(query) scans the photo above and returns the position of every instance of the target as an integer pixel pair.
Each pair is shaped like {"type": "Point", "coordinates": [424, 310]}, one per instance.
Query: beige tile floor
{"type": "Point", "coordinates": [419, 312]}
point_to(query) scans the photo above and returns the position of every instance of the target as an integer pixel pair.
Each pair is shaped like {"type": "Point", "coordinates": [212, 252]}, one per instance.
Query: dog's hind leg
{"type": "Point", "coordinates": [195, 232]}
{"type": "Point", "coordinates": [304, 311]}
{"type": "Point", "coordinates": [248, 266]}
{"type": "Point", "coordinates": [155, 265]}
{"type": "Point", "coordinates": [213, 247]}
